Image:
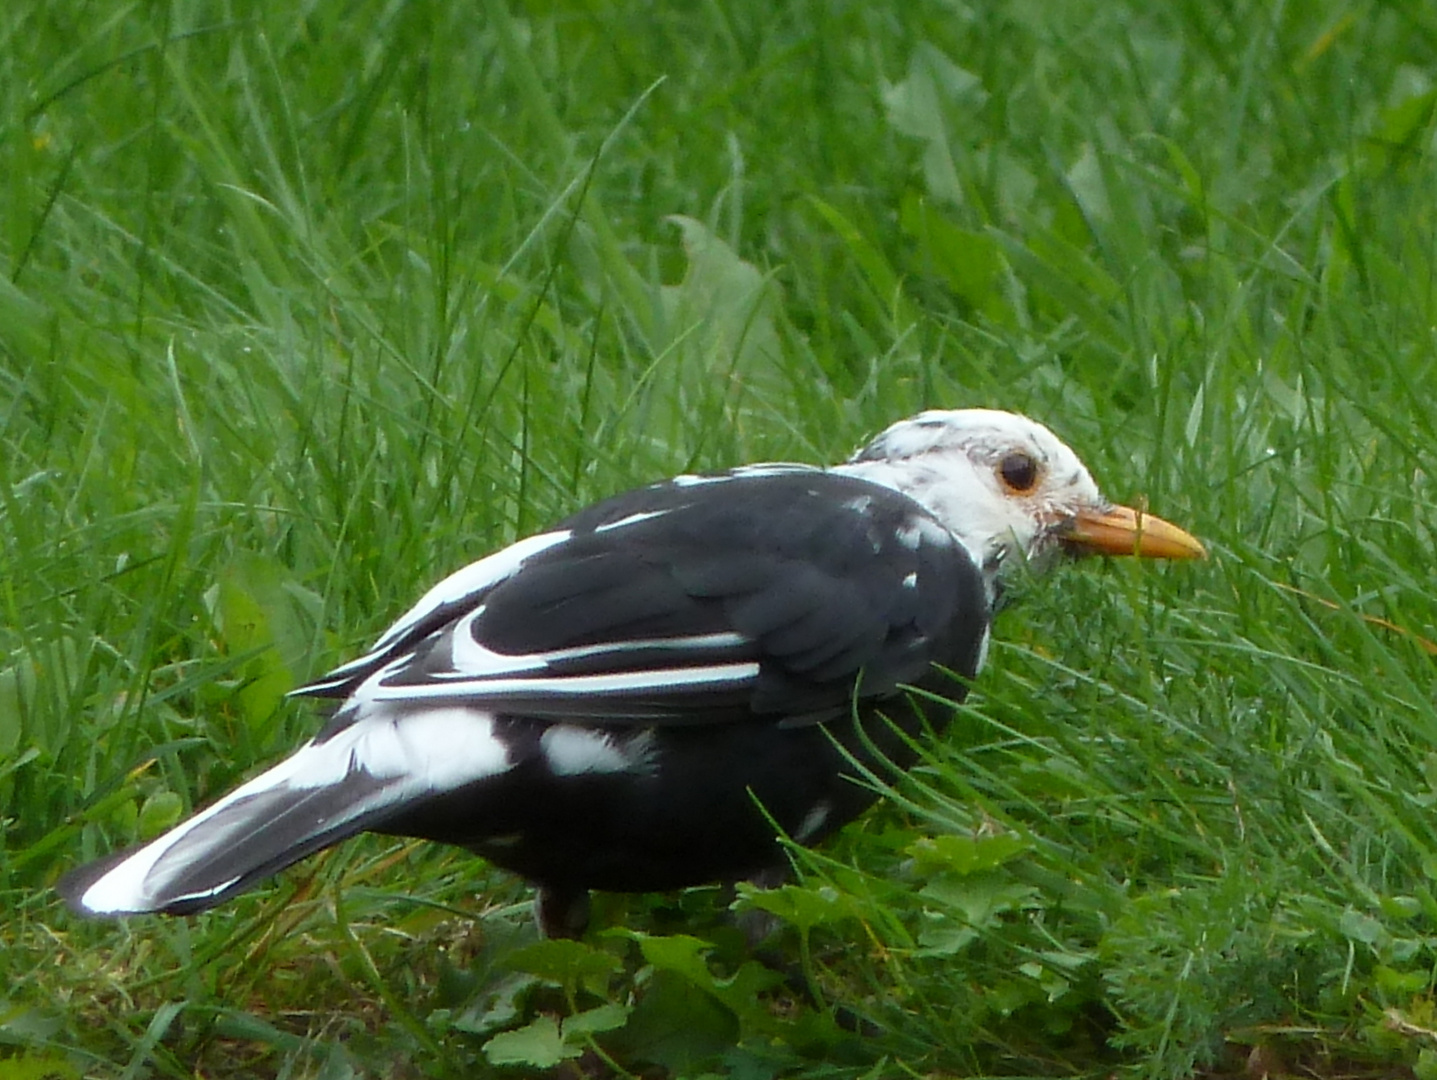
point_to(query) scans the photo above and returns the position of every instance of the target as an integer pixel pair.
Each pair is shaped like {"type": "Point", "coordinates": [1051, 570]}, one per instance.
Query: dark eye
{"type": "Point", "coordinates": [1019, 472]}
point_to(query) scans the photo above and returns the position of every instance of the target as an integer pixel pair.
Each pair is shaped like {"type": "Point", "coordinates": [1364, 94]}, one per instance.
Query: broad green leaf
{"type": "Point", "coordinates": [722, 319]}
{"type": "Point", "coordinates": [538, 1044]}
{"type": "Point", "coordinates": [923, 105]}
{"type": "Point", "coordinates": [608, 1017]}
{"type": "Point", "coordinates": [677, 1025]}
{"type": "Point", "coordinates": [37, 1067]}
{"type": "Point", "coordinates": [1360, 927]}
{"type": "Point", "coordinates": [261, 614]}
{"type": "Point", "coordinates": [496, 1007]}
{"type": "Point", "coordinates": [243, 620]}
{"type": "Point", "coordinates": [679, 953]}
{"type": "Point", "coordinates": [942, 936]}
{"type": "Point", "coordinates": [803, 906]}
{"type": "Point", "coordinates": [1401, 983]}
{"type": "Point", "coordinates": [160, 811]}
{"type": "Point", "coordinates": [978, 898]}
{"type": "Point", "coordinates": [969, 262]}
{"type": "Point", "coordinates": [687, 956]}
{"type": "Point", "coordinates": [965, 854]}
{"type": "Point", "coordinates": [567, 963]}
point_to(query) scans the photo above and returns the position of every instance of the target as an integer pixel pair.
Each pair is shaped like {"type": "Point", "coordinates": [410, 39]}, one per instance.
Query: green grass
{"type": "Point", "coordinates": [301, 310]}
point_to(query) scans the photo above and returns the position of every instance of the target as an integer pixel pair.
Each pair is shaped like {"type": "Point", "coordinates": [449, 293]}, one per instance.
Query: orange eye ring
{"type": "Point", "coordinates": [1019, 472]}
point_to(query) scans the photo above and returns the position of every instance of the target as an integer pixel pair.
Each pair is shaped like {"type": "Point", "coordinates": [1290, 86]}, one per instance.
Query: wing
{"type": "Point", "coordinates": [771, 591]}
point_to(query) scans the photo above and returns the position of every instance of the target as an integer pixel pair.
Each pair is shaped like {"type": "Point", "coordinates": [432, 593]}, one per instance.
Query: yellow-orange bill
{"type": "Point", "coordinates": [1121, 530]}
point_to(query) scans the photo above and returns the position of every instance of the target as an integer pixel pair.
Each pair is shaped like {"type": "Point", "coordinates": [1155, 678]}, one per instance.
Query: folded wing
{"type": "Point", "coordinates": [722, 599]}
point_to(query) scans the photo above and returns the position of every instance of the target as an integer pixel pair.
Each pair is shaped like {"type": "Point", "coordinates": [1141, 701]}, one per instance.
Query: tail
{"type": "Point", "coordinates": [358, 772]}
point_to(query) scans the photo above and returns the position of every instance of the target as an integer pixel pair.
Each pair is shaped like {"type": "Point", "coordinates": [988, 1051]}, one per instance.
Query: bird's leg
{"type": "Point", "coordinates": [560, 912]}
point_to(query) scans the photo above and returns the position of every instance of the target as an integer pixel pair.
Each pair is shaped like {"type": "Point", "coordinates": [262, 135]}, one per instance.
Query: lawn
{"type": "Point", "coordinates": [303, 308]}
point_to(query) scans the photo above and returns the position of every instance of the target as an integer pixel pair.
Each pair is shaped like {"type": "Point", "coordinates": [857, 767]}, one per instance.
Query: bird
{"type": "Point", "coordinates": [657, 691]}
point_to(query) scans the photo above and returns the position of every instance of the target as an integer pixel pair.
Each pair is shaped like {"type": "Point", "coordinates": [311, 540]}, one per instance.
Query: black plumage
{"type": "Point", "coordinates": [634, 699]}
{"type": "Point", "coordinates": [808, 569]}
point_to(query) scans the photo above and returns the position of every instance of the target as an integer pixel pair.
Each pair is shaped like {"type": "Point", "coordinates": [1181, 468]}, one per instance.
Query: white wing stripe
{"type": "Point", "coordinates": [726, 639]}
{"type": "Point", "coordinates": [632, 519]}
{"type": "Point", "coordinates": [472, 660]}
{"type": "Point", "coordinates": [658, 680]}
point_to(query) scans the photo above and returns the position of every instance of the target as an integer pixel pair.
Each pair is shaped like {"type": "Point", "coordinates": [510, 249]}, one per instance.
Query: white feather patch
{"type": "Point", "coordinates": [570, 751]}
{"type": "Point", "coordinates": [767, 468]}
{"type": "Point", "coordinates": [921, 529]}
{"type": "Point", "coordinates": [434, 750]}
{"type": "Point", "coordinates": [686, 480]}
{"type": "Point", "coordinates": [813, 821]}
{"type": "Point", "coordinates": [983, 650]}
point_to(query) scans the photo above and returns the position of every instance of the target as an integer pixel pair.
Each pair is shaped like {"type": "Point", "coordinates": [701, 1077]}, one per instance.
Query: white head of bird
{"type": "Point", "coordinates": [1007, 487]}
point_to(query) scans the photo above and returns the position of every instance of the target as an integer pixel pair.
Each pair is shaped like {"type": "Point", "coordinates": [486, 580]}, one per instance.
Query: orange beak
{"type": "Point", "coordinates": [1120, 530]}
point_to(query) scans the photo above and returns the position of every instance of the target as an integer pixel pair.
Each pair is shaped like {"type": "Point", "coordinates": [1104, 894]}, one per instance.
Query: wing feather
{"type": "Point", "coordinates": [757, 593]}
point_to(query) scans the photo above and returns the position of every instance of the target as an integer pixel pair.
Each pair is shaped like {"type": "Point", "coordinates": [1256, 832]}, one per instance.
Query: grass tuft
{"type": "Point", "coordinates": [301, 310]}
